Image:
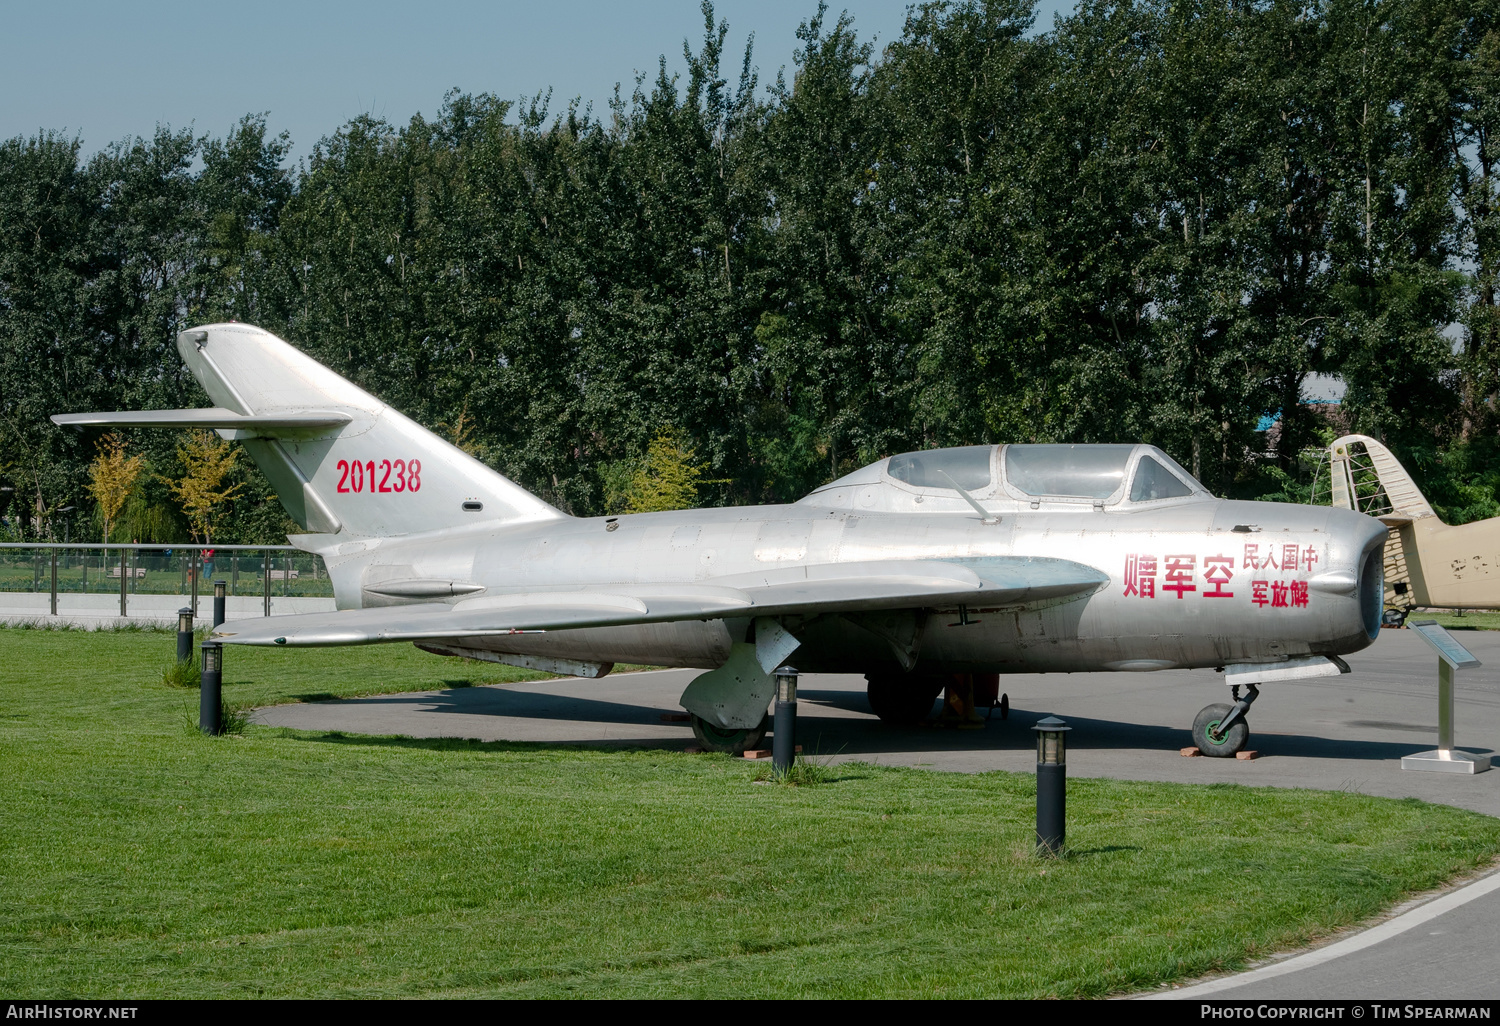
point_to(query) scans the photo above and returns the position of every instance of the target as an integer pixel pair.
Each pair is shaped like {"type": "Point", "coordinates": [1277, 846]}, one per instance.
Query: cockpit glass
{"type": "Point", "coordinates": [1154, 481]}
{"type": "Point", "coordinates": [1082, 471]}
{"type": "Point", "coordinates": [968, 466]}
{"type": "Point", "coordinates": [1176, 468]}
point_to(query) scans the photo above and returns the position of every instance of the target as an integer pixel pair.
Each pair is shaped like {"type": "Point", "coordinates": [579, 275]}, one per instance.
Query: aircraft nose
{"type": "Point", "coordinates": [1363, 540]}
{"type": "Point", "coordinates": [1356, 570]}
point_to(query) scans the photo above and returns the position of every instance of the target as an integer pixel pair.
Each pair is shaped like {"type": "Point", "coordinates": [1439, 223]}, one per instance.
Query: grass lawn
{"type": "Point", "coordinates": [1474, 620]}
{"type": "Point", "coordinates": [139, 858]}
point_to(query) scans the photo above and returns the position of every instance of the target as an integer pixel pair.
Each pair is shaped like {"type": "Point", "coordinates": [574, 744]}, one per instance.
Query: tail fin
{"type": "Point", "coordinates": [341, 461]}
{"type": "Point", "coordinates": [1367, 478]}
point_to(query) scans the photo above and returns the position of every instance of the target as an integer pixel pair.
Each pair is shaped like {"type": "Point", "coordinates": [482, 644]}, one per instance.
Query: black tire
{"type": "Point", "coordinates": [1209, 718]}
{"type": "Point", "coordinates": [717, 739]}
{"type": "Point", "coordinates": [902, 700]}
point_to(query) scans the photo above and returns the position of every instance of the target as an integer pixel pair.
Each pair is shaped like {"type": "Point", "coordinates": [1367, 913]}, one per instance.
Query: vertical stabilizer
{"type": "Point", "coordinates": [1367, 478]}
{"type": "Point", "coordinates": [380, 474]}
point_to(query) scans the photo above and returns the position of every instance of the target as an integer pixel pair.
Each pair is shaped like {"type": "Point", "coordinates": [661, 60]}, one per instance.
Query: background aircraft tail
{"type": "Point", "coordinates": [1366, 477]}
{"type": "Point", "coordinates": [341, 461]}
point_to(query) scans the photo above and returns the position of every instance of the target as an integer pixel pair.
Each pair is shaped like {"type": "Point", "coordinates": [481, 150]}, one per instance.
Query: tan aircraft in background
{"type": "Point", "coordinates": [1427, 562]}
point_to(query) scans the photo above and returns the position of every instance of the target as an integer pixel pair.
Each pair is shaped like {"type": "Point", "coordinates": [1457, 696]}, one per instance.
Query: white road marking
{"type": "Point", "coordinates": [1424, 913]}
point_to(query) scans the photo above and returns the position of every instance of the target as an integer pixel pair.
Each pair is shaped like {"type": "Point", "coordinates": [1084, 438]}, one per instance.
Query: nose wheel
{"type": "Point", "coordinates": [1221, 730]}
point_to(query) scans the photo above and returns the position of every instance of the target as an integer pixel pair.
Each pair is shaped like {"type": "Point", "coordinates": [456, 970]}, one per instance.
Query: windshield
{"type": "Point", "coordinates": [969, 467]}
{"type": "Point", "coordinates": [1083, 471]}
{"type": "Point", "coordinates": [1154, 481]}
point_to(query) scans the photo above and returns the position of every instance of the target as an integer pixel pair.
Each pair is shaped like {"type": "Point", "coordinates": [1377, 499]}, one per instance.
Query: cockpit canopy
{"type": "Point", "coordinates": [1078, 476]}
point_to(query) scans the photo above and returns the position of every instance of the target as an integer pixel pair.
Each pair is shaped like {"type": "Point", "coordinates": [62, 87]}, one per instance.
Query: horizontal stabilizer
{"type": "Point", "coordinates": [803, 590]}
{"type": "Point", "coordinates": [264, 425]}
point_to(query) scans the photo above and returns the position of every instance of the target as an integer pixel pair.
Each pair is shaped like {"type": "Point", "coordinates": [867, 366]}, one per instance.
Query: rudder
{"type": "Point", "coordinates": [341, 461]}
{"type": "Point", "coordinates": [381, 474]}
{"type": "Point", "coordinates": [1353, 459]}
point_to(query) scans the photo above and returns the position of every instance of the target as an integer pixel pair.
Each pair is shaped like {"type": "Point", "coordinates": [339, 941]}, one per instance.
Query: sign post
{"type": "Point", "coordinates": [1451, 656]}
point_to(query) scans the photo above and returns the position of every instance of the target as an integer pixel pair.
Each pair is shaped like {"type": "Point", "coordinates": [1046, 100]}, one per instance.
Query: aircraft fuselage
{"type": "Point", "coordinates": [1201, 583]}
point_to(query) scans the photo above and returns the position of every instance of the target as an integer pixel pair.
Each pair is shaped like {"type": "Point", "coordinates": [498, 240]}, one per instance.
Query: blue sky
{"type": "Point", "coordinates": [107, 71]}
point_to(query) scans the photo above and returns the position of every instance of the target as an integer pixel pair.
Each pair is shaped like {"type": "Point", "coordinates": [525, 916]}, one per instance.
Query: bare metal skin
{"type": "Point", "coordinates": [974, 560]}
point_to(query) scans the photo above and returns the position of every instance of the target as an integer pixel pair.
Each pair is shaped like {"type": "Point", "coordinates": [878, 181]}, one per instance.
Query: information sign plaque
{"type": "Point", "coordinates": [1451, 656]}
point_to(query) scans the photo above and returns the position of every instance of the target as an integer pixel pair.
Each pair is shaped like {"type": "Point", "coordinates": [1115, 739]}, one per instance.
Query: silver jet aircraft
{"type": "Point", "coordinates": [980, 559]}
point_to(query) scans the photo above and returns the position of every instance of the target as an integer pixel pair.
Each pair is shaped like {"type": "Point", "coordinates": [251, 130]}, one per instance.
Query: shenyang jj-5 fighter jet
{"type": "Point", "coordinates": [980, 559]}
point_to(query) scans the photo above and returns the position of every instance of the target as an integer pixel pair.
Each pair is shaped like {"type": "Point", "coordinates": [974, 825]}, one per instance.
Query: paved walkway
{"type": "Point", "coordinates": [1344, 733]}
{"type": "Point", "coordinates": [102, 609]}
{"type": "Point", "coordinates": [1443, 948]}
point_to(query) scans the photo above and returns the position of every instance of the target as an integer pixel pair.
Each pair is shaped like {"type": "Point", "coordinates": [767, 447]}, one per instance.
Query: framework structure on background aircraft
{"type": "Point", "coordinates": [981, 559]}
{"type": "Point", "coordinates": [1427, 562]}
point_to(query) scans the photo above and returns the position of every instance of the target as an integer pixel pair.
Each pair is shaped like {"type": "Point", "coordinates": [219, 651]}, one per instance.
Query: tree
{"type": "Point", "coordinates": [112, 475]}
{"type": "Point", "coordinates": [666, 479]}
{"type": "Point", "coordinates": [206, 461]}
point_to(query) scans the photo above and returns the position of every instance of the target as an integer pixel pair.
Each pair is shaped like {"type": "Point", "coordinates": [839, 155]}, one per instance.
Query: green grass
{"type": "Point", "coordinates": [139, 858]}
{"type": "Point", "coordinates": [1471, 620]}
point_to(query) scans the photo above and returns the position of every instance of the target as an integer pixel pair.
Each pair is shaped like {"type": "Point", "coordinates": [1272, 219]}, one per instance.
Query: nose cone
{"type": "Point", "coordinates": [1346, 583]}
{"type": "Point", "coordinates": [1363, 538]}
{"type": "Point", "coordinates": [1353, 585]}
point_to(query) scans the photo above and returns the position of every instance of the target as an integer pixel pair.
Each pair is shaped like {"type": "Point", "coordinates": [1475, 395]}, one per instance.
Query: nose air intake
{"type": "Point", "coordinates": [1372, 589]}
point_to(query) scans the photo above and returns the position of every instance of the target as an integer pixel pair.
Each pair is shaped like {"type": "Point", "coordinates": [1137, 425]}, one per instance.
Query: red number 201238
{"type": "Point", "coordinates": [397, 476]}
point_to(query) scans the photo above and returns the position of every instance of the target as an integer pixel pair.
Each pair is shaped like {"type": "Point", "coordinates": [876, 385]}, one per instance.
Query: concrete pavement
{"type": "Point", "coordinates": [1440, 948]}
{"type": "Point", "coordinates": [1345, 733]}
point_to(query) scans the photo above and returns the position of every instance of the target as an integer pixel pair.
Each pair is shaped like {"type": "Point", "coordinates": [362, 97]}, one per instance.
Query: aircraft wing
{"type": "Point", "coordinates": [805, 590]}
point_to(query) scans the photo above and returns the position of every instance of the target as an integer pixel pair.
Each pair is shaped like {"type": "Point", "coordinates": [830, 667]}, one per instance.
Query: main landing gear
{"type": "Point", "coordinates": [1222, 730]}
{"type": "Point", "coordinates": [723, 739]}
{"type": "Point", "coordinates": [903, 699]}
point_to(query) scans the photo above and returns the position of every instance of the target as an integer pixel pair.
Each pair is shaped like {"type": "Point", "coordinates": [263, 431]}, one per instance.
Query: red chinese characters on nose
{"type": "Point", "coordinates": [1218, 570]}
{"type": "Point", "coordinates": [1289, 556]}
{"type": "Point", "coordinates": [1140, 576]}
{"type": "Point", "coordinates": [1179, 576]}
{"type": "Point", "coordinates": [1218, 573]}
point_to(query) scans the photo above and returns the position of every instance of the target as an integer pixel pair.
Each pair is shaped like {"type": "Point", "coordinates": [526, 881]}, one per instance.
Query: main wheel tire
{"type": "Point", "coordinates": [902, 700]}
{"type": "Point", "coordinates": [719, 739]}
{"type": "Point", "coordinates": [1206, 737]}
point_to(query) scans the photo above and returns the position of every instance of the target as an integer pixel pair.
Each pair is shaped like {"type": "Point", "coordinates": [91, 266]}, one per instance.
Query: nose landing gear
{"type": "Point", "coordinates": [1222, 730]}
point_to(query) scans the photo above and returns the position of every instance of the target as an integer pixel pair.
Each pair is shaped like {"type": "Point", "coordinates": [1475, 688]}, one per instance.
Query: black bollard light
{"type": "Point", "coordinates": [184, 634]}
{"type": "Point", "coordinates": [784, 743]}
{"type": "Point", "coordinates": [210, 689]}
{"type": "Point", "coordinates": [218, 603]}
{"type": "Point", "coordinates": [1051, 783]}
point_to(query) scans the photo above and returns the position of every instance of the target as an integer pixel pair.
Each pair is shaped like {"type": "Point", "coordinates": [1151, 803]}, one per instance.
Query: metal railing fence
{"type": "Point", "coordinates": [127, 569]}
